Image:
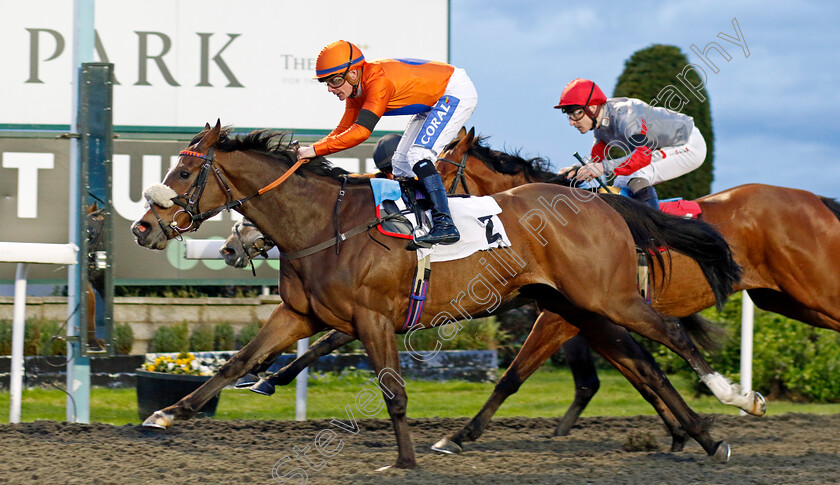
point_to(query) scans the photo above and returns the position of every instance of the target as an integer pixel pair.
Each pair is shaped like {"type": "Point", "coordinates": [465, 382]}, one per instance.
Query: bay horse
{"type": "Point", "coordinates": [787, 241]}
{"type": "Point", "coordinates": [361, 286]}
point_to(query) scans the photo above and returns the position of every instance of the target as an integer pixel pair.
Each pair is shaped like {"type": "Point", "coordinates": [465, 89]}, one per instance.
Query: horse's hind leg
{"type": "Point", "coordinates": [282, 329]}
{"type": "Point", "coordinates": [580, 361]}
{"type": "Point", "coordinates": [636, 363]}
{"type": "Point", "coordinates": [323, 346]}
{"type": "Point", "coordinates": [632, 313]}
{"type": "Point", "coordinates": [548, 334]}
{"type": "Point", "coordinates": [613, 344]}
{"type": "Point", "coordinates": [785, 304]}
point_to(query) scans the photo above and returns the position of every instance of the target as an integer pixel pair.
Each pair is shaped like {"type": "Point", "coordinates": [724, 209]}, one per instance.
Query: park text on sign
{"type": "Point", "coordinates": [184, 63]}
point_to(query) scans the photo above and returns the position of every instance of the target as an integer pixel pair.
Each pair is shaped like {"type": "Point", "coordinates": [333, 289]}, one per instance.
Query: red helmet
{"type": "Point", "coordinates": [338, 58]}
{"type": "Point", "coordinates": [580, 93]}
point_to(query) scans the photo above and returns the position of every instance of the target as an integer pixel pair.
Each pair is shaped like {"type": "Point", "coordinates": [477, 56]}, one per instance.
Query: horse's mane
{"type": "Point", "coordinates": [832, 205]}
{"type": "Point", "coordinates": [277, 144]}
{"type": "Point", "coordinates": [534, 169]}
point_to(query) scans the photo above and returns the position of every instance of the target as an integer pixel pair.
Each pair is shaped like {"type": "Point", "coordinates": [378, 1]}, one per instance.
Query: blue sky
{"type": "Point", "coordinates": [774, 113]}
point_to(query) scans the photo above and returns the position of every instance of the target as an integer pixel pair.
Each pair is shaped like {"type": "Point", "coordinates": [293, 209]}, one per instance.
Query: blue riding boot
{"type": "Point", "coordinates": [646, 195]}
{"type": "Point", "coordinates": [443, 229]}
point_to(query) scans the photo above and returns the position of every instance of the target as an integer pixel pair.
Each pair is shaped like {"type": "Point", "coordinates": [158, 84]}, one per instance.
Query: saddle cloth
{"type": "Point", "coordinates": [681, 207]}
{"type": "Point", "coordinates": [475, 217]}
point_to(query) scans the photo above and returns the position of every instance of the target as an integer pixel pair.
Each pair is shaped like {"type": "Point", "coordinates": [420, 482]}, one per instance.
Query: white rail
{"type": "Point", "coordinates": [23, 254]}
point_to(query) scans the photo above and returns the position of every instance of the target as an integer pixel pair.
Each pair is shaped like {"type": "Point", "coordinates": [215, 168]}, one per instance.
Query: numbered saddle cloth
{"type": "Point", "coordinates": [475, 217]}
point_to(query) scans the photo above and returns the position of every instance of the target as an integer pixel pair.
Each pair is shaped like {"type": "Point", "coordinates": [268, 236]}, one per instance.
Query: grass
{"type": "Point", "coordinates": [547, 393]}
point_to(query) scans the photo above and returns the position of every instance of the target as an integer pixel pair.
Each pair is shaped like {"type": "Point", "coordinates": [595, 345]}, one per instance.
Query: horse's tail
{"type": "Point", "coordinates": [706, 334]}
{"type": "Point", "coordinates": [653, 229]}
{"type": "Point", "coordinates": [832, 205]}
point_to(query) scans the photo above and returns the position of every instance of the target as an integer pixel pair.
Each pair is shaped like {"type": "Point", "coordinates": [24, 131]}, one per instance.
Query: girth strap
{"type": "Point", "coordinates": [338, 238]}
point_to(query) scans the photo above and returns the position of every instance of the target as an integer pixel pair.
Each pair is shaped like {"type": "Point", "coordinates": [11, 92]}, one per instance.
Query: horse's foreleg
{"type": "Point", "coordinates": [323, 346]}
{"type": "Point", "coordinates": [580, 361]}
{"type": "Point", "coordinates": [282, 329]}
{"type": "Point", "coordinates": [633, 314]}
{"type": "Point", "coordinates": [377, 335]}
{"type": "Point", "coordinates": [549, 333]}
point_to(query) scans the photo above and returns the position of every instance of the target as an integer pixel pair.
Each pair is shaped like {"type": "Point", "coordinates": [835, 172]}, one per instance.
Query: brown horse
{"type": "Point", "coordinates": [362, 289]}
{"type": "Point", "coordinates": [786, 240]}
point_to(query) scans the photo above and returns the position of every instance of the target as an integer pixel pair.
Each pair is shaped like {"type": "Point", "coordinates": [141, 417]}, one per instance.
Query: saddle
{"type": "Point", "coordinates": [401, 206]}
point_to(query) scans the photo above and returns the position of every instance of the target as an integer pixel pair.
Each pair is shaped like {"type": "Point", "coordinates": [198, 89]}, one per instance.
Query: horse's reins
{"type": "Point", "coordinates": [459, 176]}
{"type": "Point", "coordinates": [189, 202]}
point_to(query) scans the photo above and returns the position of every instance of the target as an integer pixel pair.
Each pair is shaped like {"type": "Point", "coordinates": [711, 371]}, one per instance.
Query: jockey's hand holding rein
{"type": "Point", "coordinates": [306, 152]}
{"type": "Point", "coordinates": [590, 171]}
{"type": "Point", "coordinates": [583, 173]}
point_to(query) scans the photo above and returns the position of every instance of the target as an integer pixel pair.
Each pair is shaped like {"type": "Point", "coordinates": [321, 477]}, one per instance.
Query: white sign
{"type": "Point", "coordinates": [187, 62]}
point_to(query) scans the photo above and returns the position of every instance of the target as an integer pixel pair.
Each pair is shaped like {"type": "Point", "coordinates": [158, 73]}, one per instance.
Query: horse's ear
{"type": "Point", "coordinates": [92, 208]}
{"type": "Point", "coordinates": [462, 133]}
{"type": "Point", "coordinates": [211, 137]}
{"type": "Point", "coordinates": [470, 138]}
{"type": "Point", "coordinates": [207, 126]}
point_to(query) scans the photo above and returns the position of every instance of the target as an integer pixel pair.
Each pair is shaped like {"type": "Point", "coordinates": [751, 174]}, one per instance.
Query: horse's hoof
{"type": "Point", "coordinates": [447, 446]}
{"type": "Point", "coordinates": [159, 420]}
{"type": "Point", "coordinates": [263, 387]}
{"type": "Point", "coordinates": [247, 380]}
{"type": "Point", "coordinates": [759, 405]}
{"type": "Point", "coordinates": [722, 452]}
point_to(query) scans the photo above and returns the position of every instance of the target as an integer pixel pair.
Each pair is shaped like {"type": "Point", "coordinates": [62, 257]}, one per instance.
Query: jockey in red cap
{"type": "Point", "coordinates": [662, 144]}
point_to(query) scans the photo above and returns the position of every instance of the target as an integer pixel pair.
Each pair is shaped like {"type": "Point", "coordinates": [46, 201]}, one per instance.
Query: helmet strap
{"type": "Point", "coordinates": [356, 83]}
{"type": "Point", "coordinates": [593, 115]}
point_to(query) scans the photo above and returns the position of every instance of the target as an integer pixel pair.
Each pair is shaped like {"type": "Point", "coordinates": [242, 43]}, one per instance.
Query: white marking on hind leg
{"type": "Point", "coordinates": [725, 391]}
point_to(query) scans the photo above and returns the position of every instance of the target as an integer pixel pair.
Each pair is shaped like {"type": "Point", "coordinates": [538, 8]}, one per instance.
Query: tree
{"type": "Point", "coordinates": [646, 75]}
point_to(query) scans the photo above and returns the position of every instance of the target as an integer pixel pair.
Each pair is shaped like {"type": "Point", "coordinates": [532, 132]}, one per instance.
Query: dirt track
{"type": "Point", "coordinates": [794, 448]}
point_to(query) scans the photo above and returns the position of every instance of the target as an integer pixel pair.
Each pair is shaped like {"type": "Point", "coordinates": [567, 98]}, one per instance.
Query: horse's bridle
{"type": "Point", "coordinates": [267, 243]}
{"type": "Point", "coordinates": [189, 201]}
{"type": "Point", "coordinates": [459, 176]}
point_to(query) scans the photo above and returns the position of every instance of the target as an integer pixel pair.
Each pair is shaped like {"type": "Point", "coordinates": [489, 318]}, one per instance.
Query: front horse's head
{"type": "Point", "coordinates": [175, 206]}
{"type": "Point", "coordinates": [244, 243]}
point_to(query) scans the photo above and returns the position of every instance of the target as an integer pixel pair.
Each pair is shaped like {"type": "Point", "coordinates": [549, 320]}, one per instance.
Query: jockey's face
{"type": "Point", "coordinates": [583, 124]}
{"type": "Point", "coordinates": [345, 89]}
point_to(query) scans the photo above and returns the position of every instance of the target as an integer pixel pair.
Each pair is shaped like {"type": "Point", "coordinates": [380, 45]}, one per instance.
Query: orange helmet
{"type": "Point", "coordinates": [580, 93]}
{"type": "Point", "coordinates": [338, 58]}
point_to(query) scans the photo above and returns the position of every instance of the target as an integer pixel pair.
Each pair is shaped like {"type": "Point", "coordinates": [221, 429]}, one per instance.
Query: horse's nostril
{"type": "Point", "coordinates": [227, 251]}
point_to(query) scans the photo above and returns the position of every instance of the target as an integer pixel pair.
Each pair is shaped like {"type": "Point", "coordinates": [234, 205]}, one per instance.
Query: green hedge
{"type": "Point", "coordinates": [791, 360]}
{"type": "Point", "coordinates": [170, 338]}
{"type": "Point", "coordinates": [41, 337]}
{"type": "Point", "coordinates": [224, 337]}
{"type": "Point", "coordinates": [123, 338]}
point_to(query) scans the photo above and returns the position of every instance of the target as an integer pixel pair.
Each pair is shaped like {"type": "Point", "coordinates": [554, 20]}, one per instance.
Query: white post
{"type": "Point", "coordinates": [301, 383]}
{"type": "Point", "coordinates": [23, 254]}
{"type": "Point", "coordinates": [747, 312]}
{"type": "Point", "coordinates": [18, 330]}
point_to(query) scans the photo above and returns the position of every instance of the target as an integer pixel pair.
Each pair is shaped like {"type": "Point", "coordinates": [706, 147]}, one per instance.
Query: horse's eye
{"type": "Point", "coordinates": [184, 175]}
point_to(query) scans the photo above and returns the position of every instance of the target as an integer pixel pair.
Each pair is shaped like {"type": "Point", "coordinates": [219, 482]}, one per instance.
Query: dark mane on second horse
{"type": "Point", "coordinates": [534, 169]}
{"type": "Point", "coordinates": [277, 144]}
